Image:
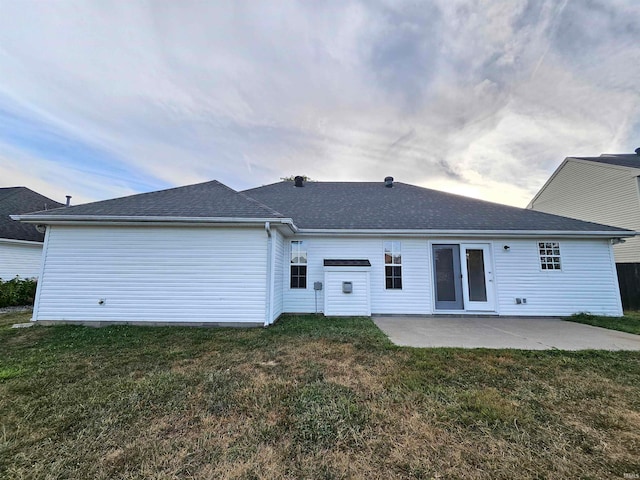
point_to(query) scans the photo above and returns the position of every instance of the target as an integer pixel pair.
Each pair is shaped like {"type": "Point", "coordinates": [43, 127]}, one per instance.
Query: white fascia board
{"type": "Point", "coordinates": [21, 242]}
{"type": "Point", "coordinates": [466, 233]}
{"type": "Point", "coordinates": [138, 220]}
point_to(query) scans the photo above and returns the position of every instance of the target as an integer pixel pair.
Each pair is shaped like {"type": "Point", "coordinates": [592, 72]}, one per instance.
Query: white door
{"type": "Point", "coordinates": [477, 277]}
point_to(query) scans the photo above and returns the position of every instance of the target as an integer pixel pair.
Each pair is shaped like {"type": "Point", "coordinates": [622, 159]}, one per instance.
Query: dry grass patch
{"type": "Point", "coordinates": [307, 398]}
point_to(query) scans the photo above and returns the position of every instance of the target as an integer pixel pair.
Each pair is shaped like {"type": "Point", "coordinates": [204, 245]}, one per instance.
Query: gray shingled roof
{"type": "Point", "coordinates": [367, 205]}
{"type": "Point", "coordinates": [203, 200]}
{"type": "Point", "coordinates": [623, 160]}
{"type": "Point", "coordinates": [17, 200]}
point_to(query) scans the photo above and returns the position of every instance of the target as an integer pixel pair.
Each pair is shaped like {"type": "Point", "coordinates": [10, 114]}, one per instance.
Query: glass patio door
{"type": "Point", "coordinates": [462, 277]}
{"type": "Point", "coordinates": [447, 277]}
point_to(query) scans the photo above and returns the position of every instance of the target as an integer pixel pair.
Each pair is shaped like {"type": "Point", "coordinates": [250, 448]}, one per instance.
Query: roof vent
{"type": "Point", "coordinates": [388, 182]}
{"type": "Point", "coordinates": [638, 151]}
{"type": "Point", "coordinates": [299, 181]}
{"type": "Point", "coordinates": [68, 201]}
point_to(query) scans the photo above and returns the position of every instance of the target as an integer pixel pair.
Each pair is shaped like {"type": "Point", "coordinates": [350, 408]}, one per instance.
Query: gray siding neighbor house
{"type": "Point", "coordinates": [20, 243]}
{"type": "Point", "coordinates": [208, 255]}
{"type": "Point", "coordinates": [602, 189]}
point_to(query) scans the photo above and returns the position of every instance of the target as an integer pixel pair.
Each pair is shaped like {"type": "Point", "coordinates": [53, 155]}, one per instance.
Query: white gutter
{"type": "Point", "coordinates": [466, 233]}
{"type": "Point", "coordinates": [235, 221]}
{"type": "Point", "coordinates": [145, 220]}
{"type": "Point", "coordinates": [20, 242]}
{"type": "Point", "coordinates": [268, 302]}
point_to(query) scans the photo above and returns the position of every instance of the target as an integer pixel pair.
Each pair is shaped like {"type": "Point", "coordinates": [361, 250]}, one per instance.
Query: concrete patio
{"type": "Point", "coordinates": [502, 332]}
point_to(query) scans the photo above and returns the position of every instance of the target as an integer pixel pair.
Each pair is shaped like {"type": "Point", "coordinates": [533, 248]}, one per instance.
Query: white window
{"type": "Point", "coordinates": [393, 265]}
{"type": "Point", "coordinates": [298, 264]}
{"type": "Point", "coordinates": [549, 255]}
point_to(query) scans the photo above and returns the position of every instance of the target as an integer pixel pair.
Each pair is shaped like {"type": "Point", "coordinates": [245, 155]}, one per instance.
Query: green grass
{"type": "Point", "coordinates": [629, 323]}
{"type": "Point", "coordinates": [306, 398]}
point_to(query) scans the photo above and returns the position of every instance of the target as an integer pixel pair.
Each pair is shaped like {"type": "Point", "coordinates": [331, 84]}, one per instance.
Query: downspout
{"type": "Point", "coordinates": [269, 289]}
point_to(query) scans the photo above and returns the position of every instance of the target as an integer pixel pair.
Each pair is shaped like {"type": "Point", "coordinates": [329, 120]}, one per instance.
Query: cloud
{"type": "Point", "coordinates": [478, 97]}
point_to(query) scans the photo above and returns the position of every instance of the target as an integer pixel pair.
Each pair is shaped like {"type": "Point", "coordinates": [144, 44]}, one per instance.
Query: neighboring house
{"type": "Point", "coordinates": [206, 254]}
{"type": "Point", "coordinates": [602, 189]}
{"type": "Point", "coordinates": [20, 243]}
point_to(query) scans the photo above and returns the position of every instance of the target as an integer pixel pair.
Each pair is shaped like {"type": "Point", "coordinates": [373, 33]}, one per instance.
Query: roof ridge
{"type": "Point", "coordinates": [248, 198]}
{"type": "Point", "coordinates": [261, 205]}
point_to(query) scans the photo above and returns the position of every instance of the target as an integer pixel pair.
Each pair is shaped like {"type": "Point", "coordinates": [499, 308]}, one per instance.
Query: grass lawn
{"type": "Point", "coordinates": [629, 323]}
{"type": "Point", "coordinates": [306, 398]}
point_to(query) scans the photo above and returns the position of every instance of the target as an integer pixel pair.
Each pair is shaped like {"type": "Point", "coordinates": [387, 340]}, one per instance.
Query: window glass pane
{"type": "Point", "coordinates": [298, 253]}
{"type": "Point", "coordinates": [445, 278]}
{"type": "Point", "coordinates": [549, 255]}
{"type": "Point", "coordinates": [475, 275]}
{"type": "Point", "coordinates": [392, 256]}
{"type": "Point", "coordinates": [298, 276]}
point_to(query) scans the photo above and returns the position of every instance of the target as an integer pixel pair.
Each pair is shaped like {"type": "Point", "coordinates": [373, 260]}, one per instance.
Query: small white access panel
{"type": "Point", "coordinates": [346, 288]}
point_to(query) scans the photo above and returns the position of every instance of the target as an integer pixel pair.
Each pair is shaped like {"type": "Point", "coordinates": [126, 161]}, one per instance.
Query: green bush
{"type": "Point", "coordinates": [17, 292]}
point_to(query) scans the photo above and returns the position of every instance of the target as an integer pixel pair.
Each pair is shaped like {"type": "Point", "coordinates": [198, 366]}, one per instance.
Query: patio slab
{"type": "Point", "coordinates": [525, 333]}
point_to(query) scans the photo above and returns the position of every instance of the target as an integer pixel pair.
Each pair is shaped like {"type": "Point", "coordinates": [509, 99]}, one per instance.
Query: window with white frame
{"type": "Point", "coordinates": [298, 264]}
{"type": "Point", "coordinates": [393, 265]}
{"type": "Point", "coordinates": [549, 255]}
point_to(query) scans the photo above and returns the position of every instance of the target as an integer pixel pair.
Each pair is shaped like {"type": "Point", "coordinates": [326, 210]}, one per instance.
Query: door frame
{"type": "Point", "coordinates": [492, 293]}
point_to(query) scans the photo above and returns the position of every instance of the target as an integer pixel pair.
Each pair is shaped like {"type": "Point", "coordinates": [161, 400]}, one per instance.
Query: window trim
{"type": "Point", "coordinates": [555, 245]}
{"type": "Point", "coordinates": [385, 265]}
{"type": "Point", "coordinates": [301, 248]}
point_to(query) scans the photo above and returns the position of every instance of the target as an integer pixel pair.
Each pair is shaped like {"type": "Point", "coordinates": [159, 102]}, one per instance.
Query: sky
{"type": "Point", "coordinates": [100, 99]}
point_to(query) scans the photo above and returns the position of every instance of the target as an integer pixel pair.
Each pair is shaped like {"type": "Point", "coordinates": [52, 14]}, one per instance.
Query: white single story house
{"type": "Point", "coordinates": [20, 243]}
{"type": "Point", "coordinates": [207, 254]}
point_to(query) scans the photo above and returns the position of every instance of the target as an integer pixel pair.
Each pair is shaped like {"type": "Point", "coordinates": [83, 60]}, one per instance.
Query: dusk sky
{"type": "Point", "coordinates": [100, 99]}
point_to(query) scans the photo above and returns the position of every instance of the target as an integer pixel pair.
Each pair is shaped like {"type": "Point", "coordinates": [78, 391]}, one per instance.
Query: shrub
{"type": "Point", "coordinates": [17, 292]}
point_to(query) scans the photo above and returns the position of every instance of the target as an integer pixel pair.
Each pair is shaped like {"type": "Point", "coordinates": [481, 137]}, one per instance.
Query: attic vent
{"type": "Point", "coordinates": [68, 200]}
{"type": "Point", "coordinates": [388, 182]}
{"type": "Point", "coordinates": [299, 181]}
{"type": "Point", "coordinates": [637, 151]}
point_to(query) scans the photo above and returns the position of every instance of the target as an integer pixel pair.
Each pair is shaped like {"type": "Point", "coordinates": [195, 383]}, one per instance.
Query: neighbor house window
{"type": "Point", "coordinates": [549, 255]}
{"type": "Point", "coordinates": [392, 265]}
{"type": "Point", "coordinates": [298, 264]}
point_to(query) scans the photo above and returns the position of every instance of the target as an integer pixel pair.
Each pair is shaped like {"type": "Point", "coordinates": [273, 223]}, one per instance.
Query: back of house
{"type": "Point", "coordinates": [205, 254]}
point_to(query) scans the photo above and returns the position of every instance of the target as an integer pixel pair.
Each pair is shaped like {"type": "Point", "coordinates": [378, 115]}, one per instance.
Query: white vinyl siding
{"type": "Point", "coordinates": [154, 274]}
{"type": "Point", "coordinates": [598, 193]}
{"type": "Point", "coordinates": [414, 298]}
{"type": "Point", "coordinates": [19, 259]}
{"type": "Point", "coordinates": [278, 266]}
{"type": "Point", "coordinates": [586, 283]}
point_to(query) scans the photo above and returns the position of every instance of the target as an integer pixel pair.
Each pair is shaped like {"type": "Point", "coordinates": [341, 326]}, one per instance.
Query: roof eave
{"type": "Point", "coordinates": [468, 233]}
{"type": "Point", "coordinates": [149, 220]}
